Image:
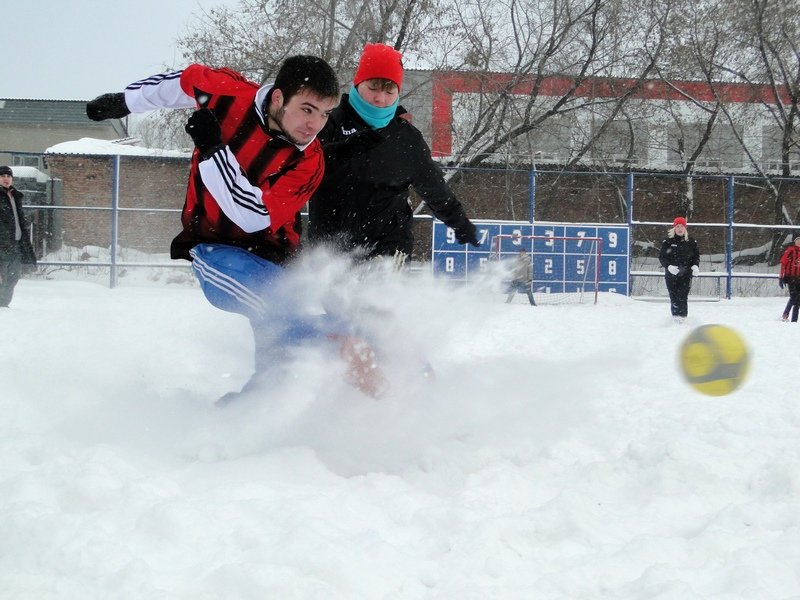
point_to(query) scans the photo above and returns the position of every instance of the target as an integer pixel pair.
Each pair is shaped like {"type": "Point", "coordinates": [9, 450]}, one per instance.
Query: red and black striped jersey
{"type": "Point", "coordinates": [249, 192]}
{"type": "Point", "coordinates": [790, 262]}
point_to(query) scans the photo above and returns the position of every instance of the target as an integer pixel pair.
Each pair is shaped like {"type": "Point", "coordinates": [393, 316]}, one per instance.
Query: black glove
{"type": "Point", "coordinates": [205, 131]}
{"type": "Point", "coordinates": [466, 233]}
{"type": "Point", "coordinates": [107, 106]}
{"type": "Point", "coordinates": [781, 282]}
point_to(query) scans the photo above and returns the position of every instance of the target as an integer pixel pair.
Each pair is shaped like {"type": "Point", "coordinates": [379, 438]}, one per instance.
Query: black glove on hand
{"type": "Point", "coordinates": [107, 106]}
{"type": "Point", "coordinates": [466, 233]}
{"type": "Point", "coordinates": [205, 131]}
{"type": "Point", "coordinates": [781, 282]}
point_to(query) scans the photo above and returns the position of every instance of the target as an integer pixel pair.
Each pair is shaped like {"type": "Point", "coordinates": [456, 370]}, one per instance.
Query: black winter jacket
{"type": "Point", "coordinates": [363, 201]}
{"type": "Point", "coordinates": [8, 241]}
{"type": "Point", "coordinates": [681, 252]}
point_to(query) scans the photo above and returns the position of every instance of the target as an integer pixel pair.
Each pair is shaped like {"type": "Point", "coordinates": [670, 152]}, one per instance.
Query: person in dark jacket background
{"type": "Point", "coordinates": [373, 154]}
{"type": "Point", "coordinates": [16, 251]}
{"type": "Point", "coordinates": [681, 260]}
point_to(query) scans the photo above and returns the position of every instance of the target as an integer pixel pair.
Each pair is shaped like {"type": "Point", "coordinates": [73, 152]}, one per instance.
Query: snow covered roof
{"type": "Point", "coordinates": [125, 146]}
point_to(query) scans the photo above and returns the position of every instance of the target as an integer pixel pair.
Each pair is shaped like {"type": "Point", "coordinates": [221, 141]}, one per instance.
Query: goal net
{"type": "Point", "coordinates": [565, 270]}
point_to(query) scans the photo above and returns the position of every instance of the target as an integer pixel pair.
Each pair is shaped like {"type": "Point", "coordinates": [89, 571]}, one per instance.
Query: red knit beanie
{"type": "Point", "coordinates": [379, 61]}
{"type": "Point", "coordinates": [679, 221]}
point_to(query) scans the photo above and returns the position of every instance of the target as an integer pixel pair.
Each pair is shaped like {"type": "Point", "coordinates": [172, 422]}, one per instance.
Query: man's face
{"type": "Point", "coordinates": [302, 116]}
{"type": "Point", "coordinates": [5, 181]}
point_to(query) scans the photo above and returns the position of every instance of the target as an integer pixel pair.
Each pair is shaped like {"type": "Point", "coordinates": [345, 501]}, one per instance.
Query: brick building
{"type": "Point", "coordinates": [150, 187]}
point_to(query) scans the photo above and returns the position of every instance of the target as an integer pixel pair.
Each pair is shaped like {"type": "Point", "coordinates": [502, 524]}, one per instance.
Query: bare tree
{"type": "Point", "coordinates": [258, 35]}
{"type": "Point", "coordinates": [765, 51]}
{"type": "Point", "coordinates": [694, 49]}
{"type": "Point", "coordinates": [536, 43]}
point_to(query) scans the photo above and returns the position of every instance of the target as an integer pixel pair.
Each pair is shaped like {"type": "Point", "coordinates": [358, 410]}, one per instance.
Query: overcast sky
{"type": "Point", "coordinates": [78, 49]}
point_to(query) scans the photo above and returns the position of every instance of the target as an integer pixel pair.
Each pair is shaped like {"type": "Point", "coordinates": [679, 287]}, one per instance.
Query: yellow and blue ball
{"type": "Point", "coordinates": [714, 359]}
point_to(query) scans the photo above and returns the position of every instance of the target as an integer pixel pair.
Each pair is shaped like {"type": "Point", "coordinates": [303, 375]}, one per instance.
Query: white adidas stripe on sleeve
{"type": "Point", "coordinates": [241, 201]}
{"type": "Point", "coordinates": [158, 91]}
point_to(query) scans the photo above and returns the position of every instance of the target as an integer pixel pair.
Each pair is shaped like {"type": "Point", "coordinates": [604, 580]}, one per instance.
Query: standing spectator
{"type": "Point", "coordinates": [790, 276]}
{"type": "Point", "coordinates": [373, 154]}
{"type": "Point", "coordinates": [15, 245]}
{"type": "Point", "coordinates": [680, 259]}
{"type": "Point", "coordinates": [255, 165]}
{"type": "Point", "coordinates": [521, 277]}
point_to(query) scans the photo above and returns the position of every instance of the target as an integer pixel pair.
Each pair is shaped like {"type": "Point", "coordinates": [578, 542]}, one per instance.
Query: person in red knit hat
{"type": "Point", "coordinates": [372, 156]}
{"type": "Point", "coordinates": [681, 260]}
{"type": "Point", "coordinates": [379, 61]}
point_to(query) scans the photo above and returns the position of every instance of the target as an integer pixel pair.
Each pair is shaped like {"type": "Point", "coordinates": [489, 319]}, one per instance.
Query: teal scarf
{"type": "Point", "coordinates": [374, 116]}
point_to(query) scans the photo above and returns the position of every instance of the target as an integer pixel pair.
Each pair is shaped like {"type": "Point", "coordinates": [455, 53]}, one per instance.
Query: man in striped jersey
{"type": "Point", "coordinates": [255, 165]}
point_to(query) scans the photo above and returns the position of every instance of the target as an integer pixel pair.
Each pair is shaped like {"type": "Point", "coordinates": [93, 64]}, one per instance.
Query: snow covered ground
{"type": "Point", "coordinates": [558, 454]}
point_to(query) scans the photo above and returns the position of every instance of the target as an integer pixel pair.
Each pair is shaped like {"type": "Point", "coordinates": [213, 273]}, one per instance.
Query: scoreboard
{"type": "Point", "coordinates": [559, 265]}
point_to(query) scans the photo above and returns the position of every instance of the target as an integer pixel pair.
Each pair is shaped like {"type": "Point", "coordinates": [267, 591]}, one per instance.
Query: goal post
{"type": "Point", "coordinates": [566, 269]}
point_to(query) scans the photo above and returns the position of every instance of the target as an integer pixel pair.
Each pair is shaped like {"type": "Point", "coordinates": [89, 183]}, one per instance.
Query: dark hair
{"type": "Point", "coordinates": [304, 72]}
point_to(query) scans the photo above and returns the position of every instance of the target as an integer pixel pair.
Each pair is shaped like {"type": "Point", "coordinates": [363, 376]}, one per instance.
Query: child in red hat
{"type": "Point", "coordinates": [680, 259]}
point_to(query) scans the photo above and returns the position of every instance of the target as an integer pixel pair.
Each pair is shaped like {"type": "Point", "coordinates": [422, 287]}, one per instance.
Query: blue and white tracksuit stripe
{"type": "Point", "coordinates": [238, 281]}
{"type": "Point", "coordinates": [234, 279]}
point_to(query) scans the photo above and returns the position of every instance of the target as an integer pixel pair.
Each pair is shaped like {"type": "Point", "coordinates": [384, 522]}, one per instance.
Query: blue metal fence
{"type": "Point", "coordinates": [721, 264]}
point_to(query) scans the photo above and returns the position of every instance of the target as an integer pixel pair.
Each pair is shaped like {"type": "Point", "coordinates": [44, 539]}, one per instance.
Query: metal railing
{"type": "Point", "coordinates": [533, 195]}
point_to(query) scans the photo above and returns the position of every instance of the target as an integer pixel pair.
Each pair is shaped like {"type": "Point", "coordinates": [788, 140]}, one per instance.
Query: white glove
{"type": "Point", "coordinates": [673, 269]}
{"type": "Point", "coordinates": [695, 269]}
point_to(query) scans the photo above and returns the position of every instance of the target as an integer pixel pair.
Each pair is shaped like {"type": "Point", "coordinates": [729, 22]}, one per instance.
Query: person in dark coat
{"type": "Point", "coordinates": [373, 154]}
{"type": "Point", "coordinates": [790, 276]}
{"type": "Point", "coordinates": [681, 260]}
{"type": "Point", "coordinates": [16, 251]}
